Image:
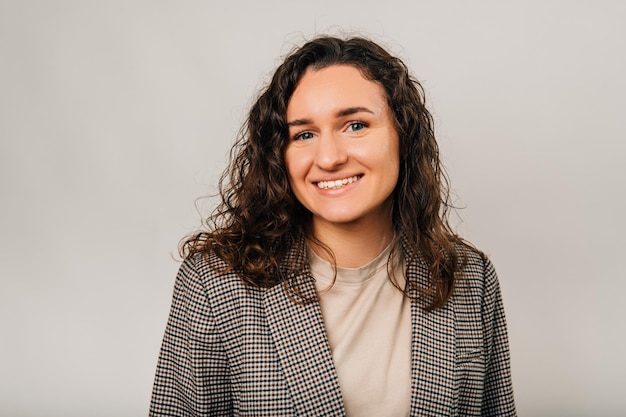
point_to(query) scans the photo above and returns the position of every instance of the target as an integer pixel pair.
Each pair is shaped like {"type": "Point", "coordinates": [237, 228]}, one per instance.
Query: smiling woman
{"type": "Point", "coordinates": [328, 281]}
{"type": "Point", "coordinates": [343, 158]}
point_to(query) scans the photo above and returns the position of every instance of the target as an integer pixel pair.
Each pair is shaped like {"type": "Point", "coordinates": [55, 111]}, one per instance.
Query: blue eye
{"type": "Point", "coordinates": [303, 136]}
{"type": "Point", "coordinates": [355, 126]}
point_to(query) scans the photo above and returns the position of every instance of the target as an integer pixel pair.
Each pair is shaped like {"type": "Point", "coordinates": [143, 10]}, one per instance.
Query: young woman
{"type": "Point", "coordinates": [329, 282]}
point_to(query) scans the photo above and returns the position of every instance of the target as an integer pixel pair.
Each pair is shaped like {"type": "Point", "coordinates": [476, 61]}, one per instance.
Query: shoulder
{"type": "Point", "coordinates": [477, 276]}
{"type": "Point", "coordinates": [474, 262]}
{"type": "Point", "coordinates": [205, 267]}
{"type": "Point", "coordinates": [207, 264]}
{"type": "Point", "coordinates": [214, 276]}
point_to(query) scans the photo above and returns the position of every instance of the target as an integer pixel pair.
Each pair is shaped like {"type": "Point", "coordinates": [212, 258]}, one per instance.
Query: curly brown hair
{"type": "Point", "coordinates": [259, 221]}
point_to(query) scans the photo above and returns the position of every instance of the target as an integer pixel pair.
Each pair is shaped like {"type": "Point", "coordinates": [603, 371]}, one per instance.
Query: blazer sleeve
{"type": "Point", "coordinates": [498, 389]}
{"type": "Point", "coordinates": [192, 376]}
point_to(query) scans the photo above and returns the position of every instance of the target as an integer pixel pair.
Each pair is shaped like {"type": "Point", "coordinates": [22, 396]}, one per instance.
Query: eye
{"type": "Point", "coordinates": [303, 136]}
{"type": "Point", "coordinates": [356, 126]}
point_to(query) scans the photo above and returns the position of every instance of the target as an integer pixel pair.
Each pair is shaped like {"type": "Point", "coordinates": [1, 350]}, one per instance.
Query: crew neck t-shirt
{"type": "Point", "coordinates": [368, 324]}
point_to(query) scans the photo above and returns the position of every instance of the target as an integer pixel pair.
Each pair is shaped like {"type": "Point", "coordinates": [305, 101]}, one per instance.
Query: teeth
{"type": "Point", "coordinates": [325, 185]}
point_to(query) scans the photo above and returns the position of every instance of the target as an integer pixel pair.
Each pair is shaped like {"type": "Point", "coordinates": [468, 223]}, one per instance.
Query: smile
{"type": "Point", "coordinates": [326, 185]}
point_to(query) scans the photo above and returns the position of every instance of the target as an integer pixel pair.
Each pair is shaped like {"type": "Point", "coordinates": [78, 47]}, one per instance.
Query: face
{"type": "Point", "coordinates": [343, 152]}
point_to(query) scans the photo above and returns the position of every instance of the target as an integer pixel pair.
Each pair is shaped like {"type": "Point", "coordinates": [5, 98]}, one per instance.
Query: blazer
{"type": "Point", "coordinates": [231, 349]}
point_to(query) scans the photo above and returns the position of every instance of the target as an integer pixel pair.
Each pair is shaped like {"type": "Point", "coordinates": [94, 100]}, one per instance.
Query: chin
{"type": "Point", "coordinates": [337, 218]}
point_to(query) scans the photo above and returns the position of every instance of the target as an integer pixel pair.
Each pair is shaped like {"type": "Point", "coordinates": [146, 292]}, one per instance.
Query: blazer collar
{"type": "Point", "coordinates": [304, 351]}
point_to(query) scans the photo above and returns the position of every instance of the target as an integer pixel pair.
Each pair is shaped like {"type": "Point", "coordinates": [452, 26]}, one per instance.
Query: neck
{"type": "Point", "coordinates": [353, 245]}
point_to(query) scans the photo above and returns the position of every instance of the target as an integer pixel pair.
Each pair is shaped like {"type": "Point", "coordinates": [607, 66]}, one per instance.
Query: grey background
{"type": "Point", "coordinates": [116, 116]}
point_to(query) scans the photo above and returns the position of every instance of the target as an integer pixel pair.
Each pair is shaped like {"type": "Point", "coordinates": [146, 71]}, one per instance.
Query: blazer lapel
{"type": "Point", "coordinates": [303, 350]}
{"type": "Point", "coordinates": [433, 350]}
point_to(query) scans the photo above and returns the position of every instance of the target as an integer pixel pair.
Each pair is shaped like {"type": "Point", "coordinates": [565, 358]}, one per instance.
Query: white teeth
{"type": "Point", "coordinates": [325, 185]}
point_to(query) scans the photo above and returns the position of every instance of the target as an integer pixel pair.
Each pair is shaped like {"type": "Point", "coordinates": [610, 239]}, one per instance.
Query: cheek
{"type": "Point", "coordinates": [294, 164]}
{"type": "Point", "coordinates": [288, 158]}
{"type": "Point", "coordinates": [393, 150]}
{"type": "Point", "coordinates": [392, 162]}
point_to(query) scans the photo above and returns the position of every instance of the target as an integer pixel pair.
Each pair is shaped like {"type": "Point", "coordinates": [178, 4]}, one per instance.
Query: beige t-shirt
{"type": "Point", "coordinates": [368, 323]}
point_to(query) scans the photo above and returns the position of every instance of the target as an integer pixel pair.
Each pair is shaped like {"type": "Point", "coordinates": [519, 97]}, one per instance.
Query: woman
{"type": "Point", "coordinates": [329, 281]}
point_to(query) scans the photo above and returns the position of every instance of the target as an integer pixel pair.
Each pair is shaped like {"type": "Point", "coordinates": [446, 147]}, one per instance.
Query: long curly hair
{"type": "Point", "coordinates": [259, 221]}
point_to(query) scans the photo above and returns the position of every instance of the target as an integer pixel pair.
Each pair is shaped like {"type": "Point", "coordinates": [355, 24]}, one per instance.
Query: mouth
{"type": "Point", "coordinates": [333, 185]}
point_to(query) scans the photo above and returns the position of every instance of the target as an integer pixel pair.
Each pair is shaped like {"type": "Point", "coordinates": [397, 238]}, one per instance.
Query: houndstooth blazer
{"type": "Point", "coordinates": [230, 349]}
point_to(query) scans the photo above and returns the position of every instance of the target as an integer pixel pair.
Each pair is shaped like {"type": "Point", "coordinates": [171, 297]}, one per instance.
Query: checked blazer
{"type": "Point", "coordinates": [231, 349]}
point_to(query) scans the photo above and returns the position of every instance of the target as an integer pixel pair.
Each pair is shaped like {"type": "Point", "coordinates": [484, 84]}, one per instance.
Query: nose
{"type": "Point", "coordinates": [330, 152]}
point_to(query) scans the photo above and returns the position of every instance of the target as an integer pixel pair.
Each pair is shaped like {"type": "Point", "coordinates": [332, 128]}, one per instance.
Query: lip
{"type": "Point", "coordinates": [336, 182]}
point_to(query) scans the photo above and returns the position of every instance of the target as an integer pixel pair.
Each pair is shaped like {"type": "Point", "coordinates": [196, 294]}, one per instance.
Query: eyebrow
{"type": "Point", "coordinates": [343, 112]}
{"type": "Point", "coordinates": [352, 110]}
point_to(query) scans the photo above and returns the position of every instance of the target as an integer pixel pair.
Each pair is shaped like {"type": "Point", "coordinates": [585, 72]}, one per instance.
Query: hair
{"type": "Point", "coordinates": [259, 221]}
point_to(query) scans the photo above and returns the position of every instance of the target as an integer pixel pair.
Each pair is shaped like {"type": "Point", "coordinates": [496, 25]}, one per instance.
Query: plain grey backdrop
{"type": "Point", "coordinates": [115, 116]}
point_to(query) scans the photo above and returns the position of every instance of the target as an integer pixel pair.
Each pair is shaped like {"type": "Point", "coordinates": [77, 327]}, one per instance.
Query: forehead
{"type": "Point", "coordinates": [334, 86]}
